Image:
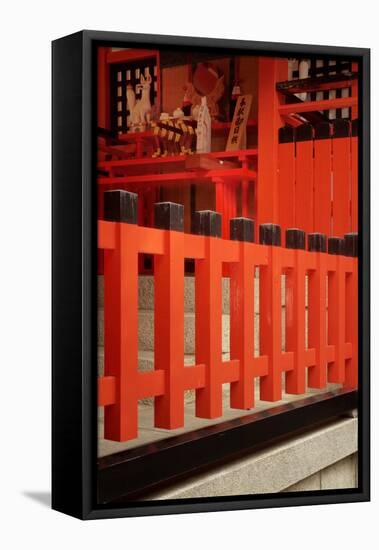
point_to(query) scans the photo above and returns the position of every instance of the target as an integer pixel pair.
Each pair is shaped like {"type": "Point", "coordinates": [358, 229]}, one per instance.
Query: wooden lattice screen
{"type": "Point", "coordinates": [122, 74]}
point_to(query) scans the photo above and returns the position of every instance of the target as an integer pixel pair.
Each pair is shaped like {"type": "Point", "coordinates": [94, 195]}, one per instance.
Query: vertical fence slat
{"type": "Point", "coordinates": [317, 296]}
{"type": "Point", "coordinates": [270, 313]}
{"type": "Point", "coordinates": [322, 192]}
{"type": "Point", "coordinates": [121, 316]}
{"type": "Point", "coordinates": [336, 309]}
{"type": "Point", "coordinates": [208, 288]}
{"type": "Point", "coordinates": [354, 175]}
{"type": "Point", "coordinates": [221, 202]}
{"type": "Point", "coordinates": [230, 206]}
{"type": "Point", "coordinates": [304, 211]}
{"type": "Point", "coordinates": [286, 188]}
{"type": "Point", "coordinates": [169, 316]}
{"type": "Point", "coordinates": [341, 177]}
{"type": "Point", "coordinates": [351, 249]}
{"type": "Point", "coordinates": [354, 91]}
{"type": "Point", "coordinates": [295, 311]}
{"type": "Point", "coordinates": [245, 197]}
{"type": "Point", "coordinates": [242, 314]}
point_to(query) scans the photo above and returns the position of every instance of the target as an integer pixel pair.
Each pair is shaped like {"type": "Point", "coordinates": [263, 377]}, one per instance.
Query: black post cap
{"type": "Point", "coordinates": [169, 215]}
{"type": "Point", "coordinates": [207, 222]}
{"type": "Point", "coordinates": [286, 134]}
{"type": "Point", "coordinates": [354, 127]}
{"type": "Point", "coordinates": [336, 245]}
{"type": "Point", "coordinates": [242, 229]}
{"type": "Point", "coordinates": [316, 242]}
{"type": "Point", "coordinates": [322, 130]}
{"type": "Point", "coordinates": [120, 206]}
{"type": "Point", "coordinates": [270, 233]}
{"type": "Point", "coordinates": [295, 238]}
{"type": "Point", "coordinates": [304, 132]}
{"type": "Point", "coordinates": [351, 244]}
{"type": "Point", "coordinates": [341, 127]}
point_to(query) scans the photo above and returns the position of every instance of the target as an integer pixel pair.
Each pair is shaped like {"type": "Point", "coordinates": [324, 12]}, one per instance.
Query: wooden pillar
{"type": "Point", "coordinates": [270, 71]}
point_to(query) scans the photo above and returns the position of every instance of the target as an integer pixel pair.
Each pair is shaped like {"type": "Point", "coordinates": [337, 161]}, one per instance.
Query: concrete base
{"type": "Point", "coordinates": [341, 475]}
{"type": "Point", "coordinates": [324, 458]}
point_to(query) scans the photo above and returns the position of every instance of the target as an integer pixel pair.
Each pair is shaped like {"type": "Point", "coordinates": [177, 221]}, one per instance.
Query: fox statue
{"type": "Point", "coordinates": [140, 110]}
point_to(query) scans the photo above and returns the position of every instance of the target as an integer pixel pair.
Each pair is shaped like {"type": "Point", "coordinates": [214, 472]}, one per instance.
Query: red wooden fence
{"type": "Point", "coordinates": [331, 354]}
{"type": "Point", "coordinates": [318, 177]}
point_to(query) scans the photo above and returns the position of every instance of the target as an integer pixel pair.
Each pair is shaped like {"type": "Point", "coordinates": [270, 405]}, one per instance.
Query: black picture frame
{"type": "Point", "coordinates": [74, 333]}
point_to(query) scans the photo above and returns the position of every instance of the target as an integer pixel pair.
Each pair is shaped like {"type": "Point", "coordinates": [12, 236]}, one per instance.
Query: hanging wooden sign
{"type": "Point", "coordinates": [237, 133]}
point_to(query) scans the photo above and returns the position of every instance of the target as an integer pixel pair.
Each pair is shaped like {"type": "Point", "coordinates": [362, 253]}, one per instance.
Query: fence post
{"type": "Point", "coordinates": [121, 315]}
{"type": "Point", "coordinates": [208, 280]}
{"type": "Point", "coordinates": [341, 144]}
{"type": "Point", "coordinates": [304, 199]}
{"type": "Point", "coordinates": [242, 314]}
{"type": "Point", "coordinates": [270, 313]}
{"type": "Point", "coordinates": [337, 311]}
{"type": "Point", "coordinates": [317, 337]}
{"type": "Point", "coordinates": [169, 315]}
{"type": "Point", "coordinates": [295, 311]}
{"type": "Point", "coordinates": [351, 250]}
{"type": "Point", "coordinates": [322, 193]}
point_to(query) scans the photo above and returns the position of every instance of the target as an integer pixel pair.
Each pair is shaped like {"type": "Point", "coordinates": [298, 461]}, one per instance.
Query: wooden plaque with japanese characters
{"type": "Point", "coordinates": [237, 133]}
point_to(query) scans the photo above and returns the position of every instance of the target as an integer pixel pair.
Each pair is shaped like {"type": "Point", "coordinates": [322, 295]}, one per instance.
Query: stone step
{"type": "Point", "coordinates": [327, 452]}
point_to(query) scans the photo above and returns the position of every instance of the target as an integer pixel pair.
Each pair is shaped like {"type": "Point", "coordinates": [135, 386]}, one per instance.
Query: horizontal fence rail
{"type": "Point", "coordinates": [331, 355]}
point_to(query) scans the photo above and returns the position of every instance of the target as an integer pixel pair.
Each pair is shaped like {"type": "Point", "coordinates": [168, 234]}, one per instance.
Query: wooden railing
{"type": "Point", "coordinates": [320, 270]}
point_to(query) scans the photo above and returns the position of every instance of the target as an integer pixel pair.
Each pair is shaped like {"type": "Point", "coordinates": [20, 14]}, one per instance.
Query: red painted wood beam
{"type": "Point", "coordinates": [322, 105]}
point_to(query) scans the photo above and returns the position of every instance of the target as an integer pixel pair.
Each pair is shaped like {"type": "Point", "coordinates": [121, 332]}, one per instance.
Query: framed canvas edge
{"type": "Point", "coordinates": [67, 317]}
{"type": "Point", "coordinates": [85, 507]}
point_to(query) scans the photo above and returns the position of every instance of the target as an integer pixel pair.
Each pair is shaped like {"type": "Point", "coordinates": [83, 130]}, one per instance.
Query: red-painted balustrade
{"type": "Point", "coordinates": [318, 269]}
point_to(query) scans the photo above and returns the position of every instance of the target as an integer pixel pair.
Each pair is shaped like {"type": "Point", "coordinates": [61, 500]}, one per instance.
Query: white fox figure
{"type": "Point", "coordinates": [140, 110]}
